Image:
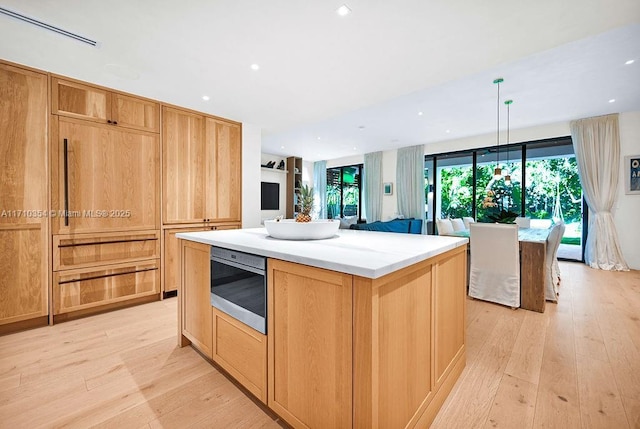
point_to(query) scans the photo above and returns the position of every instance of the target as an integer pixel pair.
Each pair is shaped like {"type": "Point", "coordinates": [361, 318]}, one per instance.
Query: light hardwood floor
{"type": "Point", "coordinates": [575, 366]}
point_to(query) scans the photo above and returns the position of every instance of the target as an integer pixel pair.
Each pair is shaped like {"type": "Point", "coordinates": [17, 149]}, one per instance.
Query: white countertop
{"type": "Point", "coordinates": [370, 254]}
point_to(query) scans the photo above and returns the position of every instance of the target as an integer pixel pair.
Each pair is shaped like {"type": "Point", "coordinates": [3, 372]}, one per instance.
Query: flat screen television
{"type": "Point", "coordinates": [270, 196]}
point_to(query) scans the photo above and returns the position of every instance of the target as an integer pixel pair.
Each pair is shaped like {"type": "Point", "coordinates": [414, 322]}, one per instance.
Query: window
{"type": "Point", "coordinates": [344, 191]}
{"type": "Point", "coordinates": [545, 187]}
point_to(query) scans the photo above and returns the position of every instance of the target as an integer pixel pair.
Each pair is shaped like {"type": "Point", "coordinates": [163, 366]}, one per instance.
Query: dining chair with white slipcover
{"type": "Point", "coordinates": [552, 271]}
{"type": "Point", "coordinates": [495, 263]}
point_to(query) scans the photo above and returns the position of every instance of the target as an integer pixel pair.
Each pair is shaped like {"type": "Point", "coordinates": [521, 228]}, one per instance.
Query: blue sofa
{"type": "Point", "coordinates": [407, 226]}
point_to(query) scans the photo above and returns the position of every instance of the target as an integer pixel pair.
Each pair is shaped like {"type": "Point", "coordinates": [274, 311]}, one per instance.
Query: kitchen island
{"type": "Point", "coordinates": [364, 330]}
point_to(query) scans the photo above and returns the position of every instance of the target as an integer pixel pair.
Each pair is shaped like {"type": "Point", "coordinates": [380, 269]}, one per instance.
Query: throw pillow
{"type": "Point", "coordinates": [444, 226]}
{"type": "Point", "coordinates": [457, 224]}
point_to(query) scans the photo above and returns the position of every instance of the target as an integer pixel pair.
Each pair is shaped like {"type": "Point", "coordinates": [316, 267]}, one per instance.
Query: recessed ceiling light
{"type": "Point", "coordinates": [419, 113]}
{"type": "Point", "coordinates": [613, 100]}
{"type": "Point", "coordinates": [281, 147]}
{"type": "Point", "coordinates": [355, 148]}
{"type": "Point", "coordinates": [319, 138]}
{"type": "Point", "coordinates": [255, 67]}
{"type": "Point", "coordinates": [343, 10]}
{"type": "Point", "coordinates": [630, 62]}
{"type": "Point", "coordinates": [205, 98]}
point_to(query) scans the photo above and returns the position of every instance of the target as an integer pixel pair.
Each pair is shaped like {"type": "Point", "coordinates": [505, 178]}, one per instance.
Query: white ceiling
{"type": "Point", "coordinates": [322, 75]}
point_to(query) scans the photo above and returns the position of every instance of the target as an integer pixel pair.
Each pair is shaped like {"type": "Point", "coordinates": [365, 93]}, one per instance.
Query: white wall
{"type": "Point", "coordinates": [251, 144]}
{"type": "Point", "coordinates": [274, 176]}
{"type": "Point", "coordinates": [627, 207]}
{"type": "Point", "coordinates": [347, 160]}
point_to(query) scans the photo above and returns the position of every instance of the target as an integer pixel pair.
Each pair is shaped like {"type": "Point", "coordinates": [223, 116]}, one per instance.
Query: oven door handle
{"type": "Point", "coordinates": [238, 266]}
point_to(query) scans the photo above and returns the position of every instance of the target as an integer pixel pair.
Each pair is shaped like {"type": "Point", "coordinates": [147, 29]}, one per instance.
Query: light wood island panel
{"type": "Point", "coordinates": [310, 345]}
{"type": "Point", "coordinates": [348, 351]}
{"type": "Point", "coordinates": [195, 317]}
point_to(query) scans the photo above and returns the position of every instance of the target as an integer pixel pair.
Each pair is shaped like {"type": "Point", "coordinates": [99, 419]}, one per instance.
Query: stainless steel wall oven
{"type": "Point", "coordinates": [239, 286]}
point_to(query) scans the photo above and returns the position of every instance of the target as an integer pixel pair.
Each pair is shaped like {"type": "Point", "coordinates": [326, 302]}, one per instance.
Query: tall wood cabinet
{"type": "Point", "coordinates": [105, 192]}
{"type": "Point", "coordinates": [201, 179]}
{"type": "Point", "coordinates": [94, 185]}
{"type": "Point", "coordinates": [23, 197]}
{"type": "Point", "coordinates": [201, 168]}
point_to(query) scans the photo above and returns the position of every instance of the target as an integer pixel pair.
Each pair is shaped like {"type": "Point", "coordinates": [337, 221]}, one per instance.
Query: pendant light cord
{"type": "Point", "coordinates": [498, 81]}
{"type": "Point", "coordinates": [498, 127]}
{"type": "Point", "coordinates": [508, 103]}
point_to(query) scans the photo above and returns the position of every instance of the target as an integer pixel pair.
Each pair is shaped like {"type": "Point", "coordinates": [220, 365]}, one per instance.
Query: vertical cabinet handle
{"type": "Point", "coordinates": [66, 183]}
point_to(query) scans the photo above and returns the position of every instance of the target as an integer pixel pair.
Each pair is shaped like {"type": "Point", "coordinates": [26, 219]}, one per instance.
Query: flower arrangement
{"type": "Point", "coordinates": [499, 200]}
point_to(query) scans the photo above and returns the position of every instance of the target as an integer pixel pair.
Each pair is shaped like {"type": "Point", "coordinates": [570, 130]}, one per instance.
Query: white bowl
{"type": "Point", "coordinates": [289, 229]}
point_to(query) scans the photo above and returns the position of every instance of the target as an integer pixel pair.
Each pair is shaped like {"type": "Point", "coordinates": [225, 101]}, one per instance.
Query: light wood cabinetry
{"type": "Point", "coordinates": [195, 314]}
{"type": "Point", "coordinates": [104, 178]}
{"type": "Point", "coordinates": [201, 179]}
{"type": "Point", "coordinates": [294, 182]}
{"type": "Point", "coordinates": [81, 173]}
{"type": "Point", "coordinates": [241, 351]}
{"type": "Point", "coordinates": [409, 342]}
{"type": "Point", "coordinates": [82, 101]}
{"type": "Point", "coordinates": [86, 250]}
{"type": "Point", "coordinates": [105, 197]}
{"type": "Point", "coordinates": [310, 345]}
{"type": "Point", "coordinates": [82, 289]}
{"type": "Point", "coordinates": [23, 196]}
{"type": "Point", "coordinates": [348, 351]}
{"type": "Point", "coordinates": [224, 203]}
{"type": "Point", "coordinates": [171, 262]}
{"type": "Point", "coordinates": [184, 167]}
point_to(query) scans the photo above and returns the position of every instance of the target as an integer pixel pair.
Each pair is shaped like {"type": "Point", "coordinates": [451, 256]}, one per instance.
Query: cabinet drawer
{"type": "Point", "coordinates": [80, 289]}
{"type": "Point", "coordinates": [242, 352]}
{"type": "Point", "coordinates": [86, 250]}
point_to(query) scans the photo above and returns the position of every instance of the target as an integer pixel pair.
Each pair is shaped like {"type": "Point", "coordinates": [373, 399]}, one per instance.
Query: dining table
{"type": "Point", "coordinates": [533, 249]}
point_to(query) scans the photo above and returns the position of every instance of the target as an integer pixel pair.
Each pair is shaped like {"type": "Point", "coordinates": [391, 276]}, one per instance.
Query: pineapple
{"type": "Point", "coordinates": [305, 198]}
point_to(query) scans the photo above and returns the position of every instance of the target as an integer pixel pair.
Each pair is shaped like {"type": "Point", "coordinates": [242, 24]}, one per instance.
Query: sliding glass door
{"type": "Point", "coordinates": [545, 188]}
{"type": "Point", "coordinates": [554, 193]}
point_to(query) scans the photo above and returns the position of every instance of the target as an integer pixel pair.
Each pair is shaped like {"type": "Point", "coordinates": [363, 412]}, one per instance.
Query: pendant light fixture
{"type": "Point", "coordinates": [507, 178]}
{"type": "Point", "coordinates": [497, 172]}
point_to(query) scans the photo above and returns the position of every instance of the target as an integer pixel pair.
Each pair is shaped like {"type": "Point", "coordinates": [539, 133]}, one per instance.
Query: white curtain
{"type": "Point", "coordinates": [410, 182]}
{"type": "Point", "coordinates": [320, 188]}
{"type": "Point", "coordinates": [373, 186]}
{"type": "Point", "coordinates": [596, 142]}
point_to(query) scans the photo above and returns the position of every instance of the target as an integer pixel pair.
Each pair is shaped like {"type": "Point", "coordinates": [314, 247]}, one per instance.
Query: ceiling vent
{"type": "Point", "coordinates": [48, 26]}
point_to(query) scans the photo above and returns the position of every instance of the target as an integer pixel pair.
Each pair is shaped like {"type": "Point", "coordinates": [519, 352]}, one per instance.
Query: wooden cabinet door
{"type": "Point", "coordinates": [111, 181]}
{"type": "Point", "coordinates": [309, 345]}
{"type": "Point", "coordinates": [80, 101]}
{"type": "Point", "coordinates": [137, 113]}
{"type": "Point", "coordinates": [224, 170]}
{"type": "Point", "coordinates": [171, 261]}
{"type": "Point", "coordinates": [241, 351]}
{"type": "Point", "coordinates": [195, 295]}
{"type": "Point", "coordinates": [184, 181]}
{"type": "Point", "coordinates": [23, 194]}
